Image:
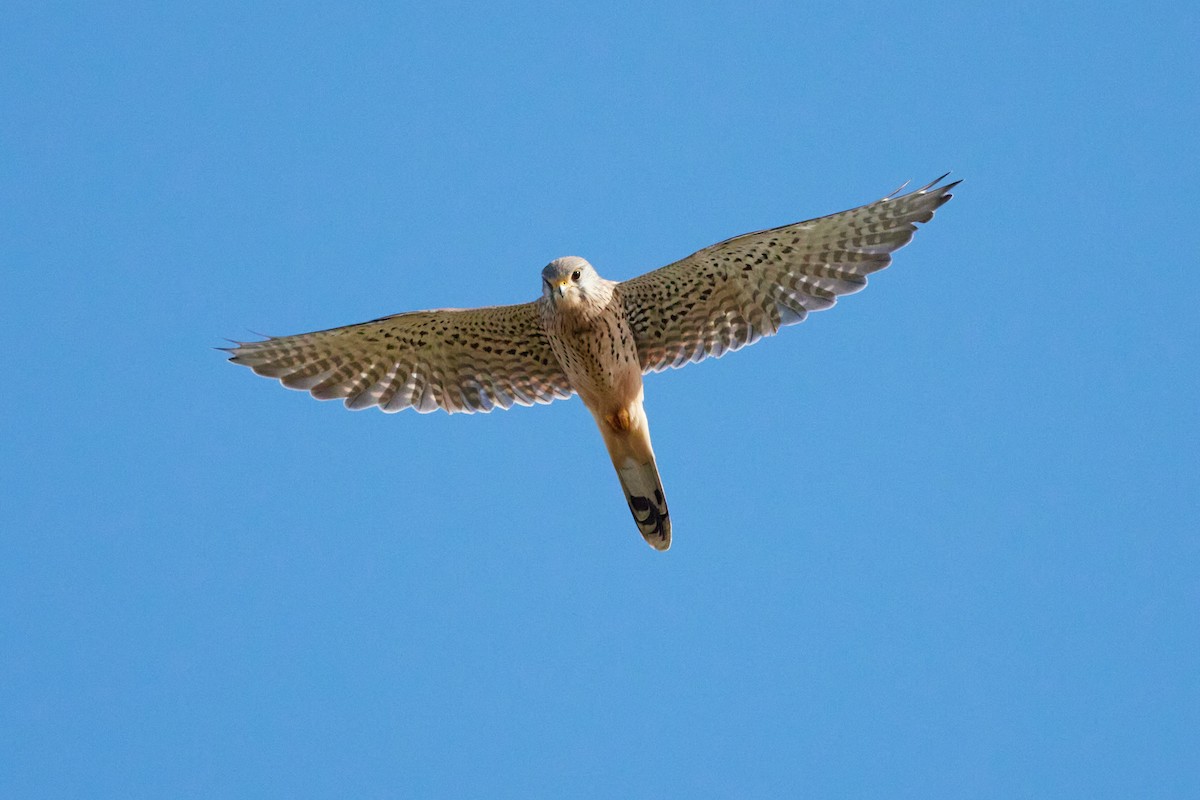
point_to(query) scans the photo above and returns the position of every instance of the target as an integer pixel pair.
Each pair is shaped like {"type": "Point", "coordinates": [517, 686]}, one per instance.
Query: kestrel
{"type": "Point", "coordinates": [596, 338]}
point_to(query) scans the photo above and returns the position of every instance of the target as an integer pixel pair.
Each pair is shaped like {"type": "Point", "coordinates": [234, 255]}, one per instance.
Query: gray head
{"type": "Point", "coordinates": [569, 280]}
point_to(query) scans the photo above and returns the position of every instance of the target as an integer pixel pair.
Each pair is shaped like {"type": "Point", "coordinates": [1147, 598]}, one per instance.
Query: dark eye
{"type": "Point", "coordinates": [575, 275]}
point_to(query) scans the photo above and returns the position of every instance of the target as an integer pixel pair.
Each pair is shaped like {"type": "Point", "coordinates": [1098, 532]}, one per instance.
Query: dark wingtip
{"type": "Point", "coordinates": [942, 193]}
{"type": "Point", "coordinates": [948, 186]}
{"type": "Point", "coordinates": [238, 345]}
{"type": "Point", "coordinates": [934, 182]}
{"type": "Point", "coordinates": [931, 186]}
{"type": "Point", "coordinates": [946, 195]}
{"type": "Point", "coordinates": [231, 350]}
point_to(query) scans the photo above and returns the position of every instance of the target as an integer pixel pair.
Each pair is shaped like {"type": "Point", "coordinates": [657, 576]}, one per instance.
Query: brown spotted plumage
{"type": "Point", "coordinates": [596, 338]}
{"type": "Point", "coordinates": [464, 360]}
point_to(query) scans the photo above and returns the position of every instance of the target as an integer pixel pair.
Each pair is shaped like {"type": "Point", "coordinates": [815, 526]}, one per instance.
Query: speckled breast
{"type": "Point", "coordinates": [599, 356]}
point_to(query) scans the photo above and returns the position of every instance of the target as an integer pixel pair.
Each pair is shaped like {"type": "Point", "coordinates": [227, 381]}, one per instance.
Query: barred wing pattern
{"type": "Point", "coordinates": [733, 293]}
{"type": "Point", "coordinates": [460, 360]}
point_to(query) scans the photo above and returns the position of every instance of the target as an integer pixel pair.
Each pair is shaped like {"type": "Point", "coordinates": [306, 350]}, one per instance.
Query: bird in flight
{"type": "Point", "coordinates": [596, 338]}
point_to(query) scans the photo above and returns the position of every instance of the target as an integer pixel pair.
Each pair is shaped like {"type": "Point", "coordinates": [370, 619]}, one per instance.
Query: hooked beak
{"type": "Point", "coordinates": [562, 287]}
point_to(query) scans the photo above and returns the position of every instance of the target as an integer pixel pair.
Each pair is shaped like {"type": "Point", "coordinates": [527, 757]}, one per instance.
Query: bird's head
{"type": "Point", "coordinates": [568, 281]}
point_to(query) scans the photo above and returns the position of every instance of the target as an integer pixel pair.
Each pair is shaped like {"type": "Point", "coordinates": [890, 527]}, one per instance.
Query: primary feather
{"type": "Point", "coordinates": [729, 295]}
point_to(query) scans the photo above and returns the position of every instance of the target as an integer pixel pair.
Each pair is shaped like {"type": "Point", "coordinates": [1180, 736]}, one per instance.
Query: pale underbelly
{"type": "Point", "coordinates": [610, 390]}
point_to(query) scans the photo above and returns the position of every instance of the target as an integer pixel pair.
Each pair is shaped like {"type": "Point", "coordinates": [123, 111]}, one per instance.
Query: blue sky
{"type": "Point", "coordinates": [940, 541]}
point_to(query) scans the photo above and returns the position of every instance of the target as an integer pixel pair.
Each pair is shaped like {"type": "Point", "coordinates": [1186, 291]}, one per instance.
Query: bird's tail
{"type": "Point", "coordinates": [627, 437]}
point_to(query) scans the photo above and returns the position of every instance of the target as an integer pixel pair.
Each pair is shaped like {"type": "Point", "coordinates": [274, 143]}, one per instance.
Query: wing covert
{"type": "Point", "coordinates": [731, 294]}
{"type": "Point", "coordinates": [459, 360]}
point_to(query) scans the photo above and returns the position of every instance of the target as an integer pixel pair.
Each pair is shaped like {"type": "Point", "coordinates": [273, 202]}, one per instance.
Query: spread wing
{"type": "Point", "coordinates": [733, 293]}
{"type": "Point", "coordinates": [460, 360]}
